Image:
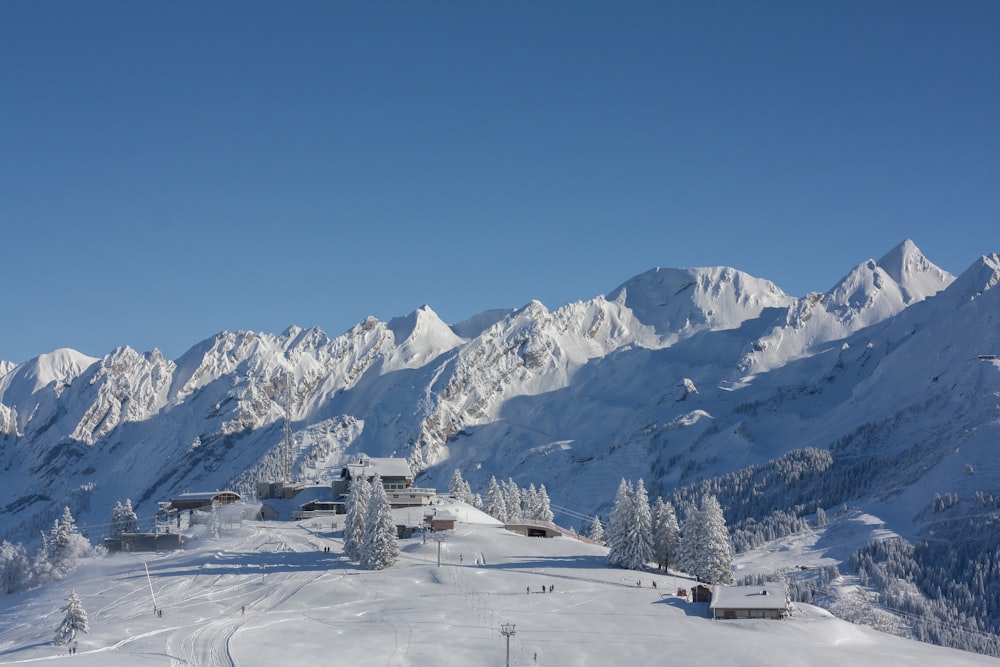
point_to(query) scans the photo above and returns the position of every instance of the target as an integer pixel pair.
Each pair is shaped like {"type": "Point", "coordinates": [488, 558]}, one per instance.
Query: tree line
{"type": "Point", "coordinates": [636, 533]}
{"type": "Point", "coordinates": [54, 559]}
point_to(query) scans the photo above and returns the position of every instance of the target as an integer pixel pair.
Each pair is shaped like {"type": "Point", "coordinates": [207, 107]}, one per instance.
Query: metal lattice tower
{"type": "Point", "coordinates": [287, 449]}
{"type": "Point", "coordinates": [507, 630]}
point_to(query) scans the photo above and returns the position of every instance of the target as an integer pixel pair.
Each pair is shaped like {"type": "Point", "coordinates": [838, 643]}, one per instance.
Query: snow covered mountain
{"type": "Point", "coordinates": [674, 376]}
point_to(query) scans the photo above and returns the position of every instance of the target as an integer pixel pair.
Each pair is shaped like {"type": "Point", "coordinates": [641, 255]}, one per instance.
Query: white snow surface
{"type": "Point", "coordinates": [268, 593]}
{"type": "Point", "coordinates": [677, 375]}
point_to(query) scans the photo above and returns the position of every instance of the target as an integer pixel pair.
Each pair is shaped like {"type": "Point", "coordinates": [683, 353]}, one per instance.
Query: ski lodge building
{"type": "Point", "coordinates": [396, 476]}
{"type": "Point", "coordinates": [767, 601]}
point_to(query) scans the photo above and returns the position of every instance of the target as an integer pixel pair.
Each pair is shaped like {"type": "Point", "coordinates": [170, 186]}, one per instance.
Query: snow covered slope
{"type": "Point", "coordinates": [675, 376]}
{"type": "Point", "coordinates": [269, 593]}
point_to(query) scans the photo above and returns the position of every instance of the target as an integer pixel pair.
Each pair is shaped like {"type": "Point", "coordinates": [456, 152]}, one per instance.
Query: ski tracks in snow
{"type": "Point", "coordinates": [207, 643]}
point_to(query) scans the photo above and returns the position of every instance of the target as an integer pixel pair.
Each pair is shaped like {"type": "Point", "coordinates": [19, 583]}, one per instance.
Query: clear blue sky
{"type": "Point", "coordinates": [169, 170]}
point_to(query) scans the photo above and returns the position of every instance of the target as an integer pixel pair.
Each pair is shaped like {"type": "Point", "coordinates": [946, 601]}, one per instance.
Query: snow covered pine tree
{"type": "Point", "coordinates": [706, 551]}
{"type": "Point", "coordinates": [459, 488]}
{"type": "Point", "coordinates": [354, 517]}
{"type": "Point", "coordinates": [618, 523]}
{"type": "Point", "coordinates": [640, 535]}
{"type": "Point", "coordinates": [74, 621]}
{"type": "Point", "coordinates": [544, 507]}
{"type": "Point", "coordinates": [596, 531]}
{"type": "Point", "coordinates": [380, 549]}
{"type": "Point", "coordinates": [65, 545]}
{"type": "Point", "coordinates": [666, 534]}
{"type": "Point", "coordinates": [496, 504]}
{"type": "Point", "coordinates": [15, 568]}
{"type": "Point", "coordinates": [630, 541]}
{"type": "Point", "coordinates": [123, 520]}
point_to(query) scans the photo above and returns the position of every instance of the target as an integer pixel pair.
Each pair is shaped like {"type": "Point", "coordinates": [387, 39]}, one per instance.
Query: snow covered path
{"type": "Point", "coordinates": [307, 606]}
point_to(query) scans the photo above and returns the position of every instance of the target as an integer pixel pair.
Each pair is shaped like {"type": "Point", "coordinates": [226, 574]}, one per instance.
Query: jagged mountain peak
{"type": "Point", "coordinates": [916, 276]}
{"type": "Point", "coordinates": [562, 395]}
{"type": "Point", "coordinates": [680, 302]}
{"type": "Point", "coordinates": [130, 387]}
{"type": "Point", "coordinates": [533, 308]}
{"type": "Point", "coordinates": [420, 337]}
{"type": "Point", "coordinates": [415, 323]}
{"type": "Point", "coordinates": [862, 288]}
{"type": "Point", "coordinates": [296, 339]}
{"type": "Point", "coordinates": [982, 276]}
{"type": "Point", "coordinates": [873, 291]}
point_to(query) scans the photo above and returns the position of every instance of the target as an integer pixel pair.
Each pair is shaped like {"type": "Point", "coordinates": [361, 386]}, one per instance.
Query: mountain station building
{"type": "Point", "coordinates": [396, 476]}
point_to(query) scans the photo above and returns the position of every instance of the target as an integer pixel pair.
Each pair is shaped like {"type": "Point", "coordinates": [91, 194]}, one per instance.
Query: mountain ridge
{"type": "Point", "coordinates": [558, 396]}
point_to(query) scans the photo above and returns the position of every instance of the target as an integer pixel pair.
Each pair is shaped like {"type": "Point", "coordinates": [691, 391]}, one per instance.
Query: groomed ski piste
{"type": "Point", "coordinates": [269, 593]}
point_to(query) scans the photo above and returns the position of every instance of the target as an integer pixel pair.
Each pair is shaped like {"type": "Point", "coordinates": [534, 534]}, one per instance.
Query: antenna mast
{"type": "Point", "coordinates": [287, 453]}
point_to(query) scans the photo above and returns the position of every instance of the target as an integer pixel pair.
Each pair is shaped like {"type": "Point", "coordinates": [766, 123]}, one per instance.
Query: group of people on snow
{"type": "Point", "coordinates": [550, 589]}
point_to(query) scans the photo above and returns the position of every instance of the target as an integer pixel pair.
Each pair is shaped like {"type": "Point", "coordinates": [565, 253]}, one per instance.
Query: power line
{"type": "Point", "coordinates": [571, 512]}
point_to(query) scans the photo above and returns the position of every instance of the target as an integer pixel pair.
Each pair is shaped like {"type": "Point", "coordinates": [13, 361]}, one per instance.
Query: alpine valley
{"type": "Point", "coordinates": [882, 394]}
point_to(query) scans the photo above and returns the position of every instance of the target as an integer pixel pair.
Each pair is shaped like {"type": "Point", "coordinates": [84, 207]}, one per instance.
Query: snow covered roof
{"type": "Point", "coordinates": [205, 495]}
{"type": "Point", "coordinates": [768, 596]}
{"type": "Point", "coordinates": [199, 499]}
{"type": "Point", "coordinates": [385, 467]}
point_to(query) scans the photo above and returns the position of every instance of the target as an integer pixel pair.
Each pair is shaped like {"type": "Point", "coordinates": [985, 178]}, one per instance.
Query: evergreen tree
{"type": "Point", "coordinates": [380, 549]}
{"type": "Point", "coordinates": [354, 518]}
{"type": "Point", "coordinates": [15, 568]}
{"type": "Point", "coordinates": [41, 566]}
{"type": "Point", "coordinates": [706, 551]}
{"type": "Point", "coordinates": [459, 488]}
{"type": "Point", "coordinates": [455, 485]}
{"type": "Point", "coordinates": [639, 534]}
{"type": "Point", "coordinates": [512, 498]}
{"type": "Point", "coordinates": [496, 503]}
{"type": "Point", "coordinates": [65, 545]}
{"type": "Point", "coordinates": [74, 621]}
{"type": "Point", "coordinates": [123, 520]}
{"type": "Point", "coordinates": [617, 528]}
{"type": "Point", "coordinates": [689, 553]}
{"type": "Point", "coordinates": [666, 538]}
{"type": "Point", "coordinates": [544, 512]}
{"type": "Point", "coordinates": [130, 522]}
{"type": "Point", "coordinates": [596, 531]}
{"type": "Point", "coordinates": [529, 502]}
{"type": "Point", "coordinates": [719, 549]}
{"type": "Point", "coordinates": [114, 526]}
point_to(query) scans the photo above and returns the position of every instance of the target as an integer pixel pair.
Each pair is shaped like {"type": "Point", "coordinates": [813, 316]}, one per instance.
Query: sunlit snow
{"type": "Point", "coordinates": [269, 593]}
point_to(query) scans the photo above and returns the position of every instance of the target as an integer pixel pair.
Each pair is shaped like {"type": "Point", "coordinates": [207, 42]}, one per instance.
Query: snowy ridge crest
{"type": "Point", "coordinates": [871, 293]}
{"type": "Point", "coordinates": [678, 303]}
{"type": "Point", "coordinates": [674, 373]}
{"type": "Point", "coordinates": [130, 387]}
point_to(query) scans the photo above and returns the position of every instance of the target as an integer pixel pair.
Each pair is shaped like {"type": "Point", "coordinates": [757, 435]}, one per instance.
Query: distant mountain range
{"type": "Point", "coordinates": [674, 376]}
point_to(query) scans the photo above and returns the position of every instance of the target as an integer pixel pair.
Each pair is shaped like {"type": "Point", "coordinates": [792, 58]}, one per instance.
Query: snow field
{"type": "Point", "coordinates": [310, 607]}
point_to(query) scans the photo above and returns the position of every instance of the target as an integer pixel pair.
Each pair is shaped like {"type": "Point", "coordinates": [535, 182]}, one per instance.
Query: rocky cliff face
{"type": "Point", "coordinates": [676, 374]}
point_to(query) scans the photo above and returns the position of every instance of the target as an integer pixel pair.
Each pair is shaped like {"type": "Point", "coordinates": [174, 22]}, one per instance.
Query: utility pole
{"type": "Point", "coordinates": [150, 580]}
{"type": "Point", "coordinates": [439, 538]}
{"type": "Point", "coordinates": [507, 630]}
